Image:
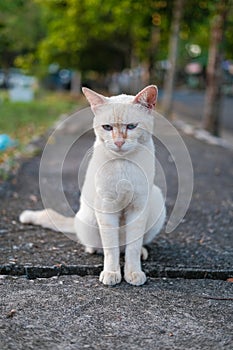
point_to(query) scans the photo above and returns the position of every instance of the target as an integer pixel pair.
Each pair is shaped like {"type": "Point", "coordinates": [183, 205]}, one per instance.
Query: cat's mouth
{"type": "Point", "coordinates": [120, 151]}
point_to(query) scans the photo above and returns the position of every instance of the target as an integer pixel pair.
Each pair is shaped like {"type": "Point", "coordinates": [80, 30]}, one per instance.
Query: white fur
{"type": "Point", "coordinates": [120, 206]}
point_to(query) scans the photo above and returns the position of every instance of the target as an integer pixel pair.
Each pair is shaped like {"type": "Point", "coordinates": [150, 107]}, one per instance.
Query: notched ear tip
{"type": "Point", "coordinates": [152, 86]}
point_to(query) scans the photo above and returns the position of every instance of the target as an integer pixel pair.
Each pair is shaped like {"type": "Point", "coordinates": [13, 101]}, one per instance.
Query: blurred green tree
{"type": "Point", "coordinates": [212, 107]}
{"type": "Point", "coordinates": [20, 31]}
{"type": "Point", "coordinates": [101, 35]}
{"type": "Point", "coordinates": [95, 35]}
{"type": "Point", "coordinates": [169, 81]}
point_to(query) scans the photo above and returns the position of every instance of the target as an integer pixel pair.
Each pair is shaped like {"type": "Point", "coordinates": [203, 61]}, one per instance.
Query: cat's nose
{"type": "Point", "coordinates": [119, 143]}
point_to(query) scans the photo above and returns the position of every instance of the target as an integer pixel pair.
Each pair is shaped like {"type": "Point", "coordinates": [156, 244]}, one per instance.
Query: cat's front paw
{"type": "Point", "coordinates": [110, 278]}
{"type": "Point", "coordinates": [136, 278]}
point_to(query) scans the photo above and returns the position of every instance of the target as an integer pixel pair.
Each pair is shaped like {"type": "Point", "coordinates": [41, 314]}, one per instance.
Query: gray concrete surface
{"type": "Point", "coordinates": [188, 106]}
{"type": "Point", "coordinates": [190, 103]}
{"type": "Point", "coordinates": [72, 312]}
{"type": "Point", "coordinates": [187, 301]}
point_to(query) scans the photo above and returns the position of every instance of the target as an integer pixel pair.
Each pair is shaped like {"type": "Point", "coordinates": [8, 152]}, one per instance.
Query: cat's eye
{"type": "Point", "coordinates": [107, 127]}
{"type": "Point", "coordinates": [131, 126]}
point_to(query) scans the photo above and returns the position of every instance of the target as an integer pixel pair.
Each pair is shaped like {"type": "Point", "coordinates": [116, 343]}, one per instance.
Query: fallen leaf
{"type": "Point", "coordinates": [58, 265]}
{"type": "Point", "coordinates": [33, 198]}
{"type": "Point", "coordinates": [230, 280]}
{"type": "Point", "coordinates": [11, 313]}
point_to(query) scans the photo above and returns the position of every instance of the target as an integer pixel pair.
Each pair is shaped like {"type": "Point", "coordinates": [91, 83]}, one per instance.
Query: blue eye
{"type": "Point", "coordinates": [131, 126]}
{"type": "Point", "coordinates": [107, 127]}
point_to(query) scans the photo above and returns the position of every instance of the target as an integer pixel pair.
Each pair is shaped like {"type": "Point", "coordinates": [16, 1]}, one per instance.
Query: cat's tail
{"type": "Point", "coordinates": [48, 218]}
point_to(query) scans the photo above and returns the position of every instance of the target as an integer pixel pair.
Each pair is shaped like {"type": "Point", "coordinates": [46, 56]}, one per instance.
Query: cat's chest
{"type": "Point", "coordinates": [118, 169]}
{"type": "Point", "coordinates": [121, 175]}
{"type": "Point", "coordinates": [118, 184]}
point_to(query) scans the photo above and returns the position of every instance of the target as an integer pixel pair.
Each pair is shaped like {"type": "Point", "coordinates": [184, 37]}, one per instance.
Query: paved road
{"type": "Point", "coordinates": [190, 104]}
{"type": "Point", "coordinates": [187, 301]}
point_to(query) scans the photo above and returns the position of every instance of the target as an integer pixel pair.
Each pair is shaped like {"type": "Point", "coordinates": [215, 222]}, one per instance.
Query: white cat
{"type": "Point", "coordinates": [120, 207]}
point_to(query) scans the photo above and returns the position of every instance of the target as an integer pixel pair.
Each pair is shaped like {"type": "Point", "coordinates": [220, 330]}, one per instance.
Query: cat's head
{"type": "Point", "coordinates": [123, 122]}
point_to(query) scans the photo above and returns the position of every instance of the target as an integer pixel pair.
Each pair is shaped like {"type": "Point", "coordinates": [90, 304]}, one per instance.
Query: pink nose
{"type": "Point", "coordinates": [119, 143]}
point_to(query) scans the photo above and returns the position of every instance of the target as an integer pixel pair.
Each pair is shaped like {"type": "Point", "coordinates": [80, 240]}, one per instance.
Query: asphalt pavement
{"type": "Point", "coordinates": [188, 106]}
{"type": "Point", "coordinates": [50, 294]}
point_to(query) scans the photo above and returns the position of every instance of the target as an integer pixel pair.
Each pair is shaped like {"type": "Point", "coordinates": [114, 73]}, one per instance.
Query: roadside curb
{"type": "Point", "coordinates": [152, 270]}
{"type": "Point", "coordinates": [201, 134]}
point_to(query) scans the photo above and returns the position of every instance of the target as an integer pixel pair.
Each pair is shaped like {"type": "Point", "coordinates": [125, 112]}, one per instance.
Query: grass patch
{"type": "Point", "coordinates": [24, 120]}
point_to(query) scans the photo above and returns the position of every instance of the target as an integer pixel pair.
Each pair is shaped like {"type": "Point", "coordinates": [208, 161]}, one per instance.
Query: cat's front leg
{"type": "Point", "coordinates": [109, 231]}
{"type": "Point", "coordinates": [135, 230]}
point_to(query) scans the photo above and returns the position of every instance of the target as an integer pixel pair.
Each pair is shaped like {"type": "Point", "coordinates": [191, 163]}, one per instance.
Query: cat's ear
{"type": "Point", "coordinates": [94, 98]}
{"type": "Point", "coordinates": [147, 97]}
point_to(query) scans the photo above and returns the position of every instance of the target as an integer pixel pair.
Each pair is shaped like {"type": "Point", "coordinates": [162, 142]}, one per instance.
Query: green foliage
{"type": "Point", "coordinates": [100, 35]}
{"type": "Point", "coordinates": [20, 31]}
{"type": "Point", "coordinates": [89, 29]}
{"type": "Point", "coordinates": [22, 120]}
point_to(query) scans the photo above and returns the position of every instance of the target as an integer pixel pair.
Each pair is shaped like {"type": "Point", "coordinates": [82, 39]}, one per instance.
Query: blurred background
{"type": "Point", "coordinates": [50, 48]}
